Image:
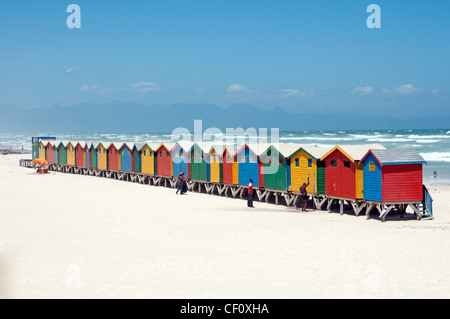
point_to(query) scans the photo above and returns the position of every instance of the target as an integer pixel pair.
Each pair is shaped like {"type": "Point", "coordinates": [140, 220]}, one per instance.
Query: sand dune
{"type": "Point", "coordinates": [72, 236]}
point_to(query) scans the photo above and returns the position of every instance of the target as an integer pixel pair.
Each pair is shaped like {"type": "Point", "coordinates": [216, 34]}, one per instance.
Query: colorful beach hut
{"type": "Point", "coordinates": [180, 158]}
{"type": "Point", "coordinates": [393, 175]}
{"type": "Point", "coordinates": [216, 164]}
{"type": "Point", "coordinates": [87, 154]}
{"type": "Point", "coordinates": [112, 152]}
{"type": "Point", "coordinates": [227, 166]}
{"type": "Point", "coordinates": [125, 157]}
{"type": "Point", "coordinates": [50, 152]}
{"type": "Point", "coordinates": [303, 161]}
{"type": "Point", "coordinates": [41, 150]}
{"type": "Point", "coordinates": [102, 156]}
{"type": "Point", "coordinates": [148, 158]}
{"type": "Point", "coordinates": [71, 153]}
{"type": "Point", "coordinates": [248, 165]}
{"type": "Point", "coordinates": [55, 152]}
{"type": "Point", "coordinates": [344, 172]}
{"type": "Point", "coordinates": [273, 167]}
{"type": "Point", "coordinates": [62, 152]}
{"type": "Point", "coordinates": [136, 157]}
{"type": "Point", "coordinates": [80, 154]}
{"type": "Point", "coordinates": [287, 166]}
{"type": "Point", "coordinates": [92, 155]}
{"type": "Point", "coordinates": [198, 162]}
{"type": "Point", "coordinates": [163, 163]}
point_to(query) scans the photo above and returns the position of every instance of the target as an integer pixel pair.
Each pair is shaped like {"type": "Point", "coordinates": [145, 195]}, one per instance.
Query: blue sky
{"type": "Point", "coordinates": [304, 56]}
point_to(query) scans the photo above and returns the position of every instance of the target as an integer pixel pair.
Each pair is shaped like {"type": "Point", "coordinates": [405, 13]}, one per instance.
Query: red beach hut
{"type": "Point", "coordinates": [344, 172]}
{"type": "Point", "coordinates": [50, 154]}
{"type": "Point", "coordinates": [393, 175]}
{"type": "Point", "coordinates": [164, 160]}
{"type": "Point", "coordinates": [79, 154]}
{"type": "Point", "coordinates": [113, 156]}
{"type": "Point", "coordinates": [227, 166]}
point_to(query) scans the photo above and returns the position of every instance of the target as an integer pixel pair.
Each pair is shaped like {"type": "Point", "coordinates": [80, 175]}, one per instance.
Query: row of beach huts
{"type": "Point", "coordinates": [355, 172]}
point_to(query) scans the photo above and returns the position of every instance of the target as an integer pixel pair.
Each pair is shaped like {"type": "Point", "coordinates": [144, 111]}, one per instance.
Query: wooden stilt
{"type": "Point", "coordinates": [290, 198]}
{"type": "Point", "coordinates": [268, 196]}
{"type": "Point", "coordinates": [330, 202]}
{"type": "Point", "coordinates": [386, 211]}
{"type": "Point", "coordinates": [415, 208]}
{"type": "Point", "coordinates": [357, 208]}
{"type": "Point", "coordinates": [234, 191]}
{"type": "Point", "coordinates": [368, 209]}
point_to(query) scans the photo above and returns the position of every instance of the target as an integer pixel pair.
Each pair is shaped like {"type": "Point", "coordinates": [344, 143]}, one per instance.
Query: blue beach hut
{"type": "Point", "coordinates": [126, 158]}
{"type": "Point", "coordinates": [248, 165]}
{"type": "Point", "coordinates": [180, 158]}
{"type": "Point", "coordinates": [87, 155]}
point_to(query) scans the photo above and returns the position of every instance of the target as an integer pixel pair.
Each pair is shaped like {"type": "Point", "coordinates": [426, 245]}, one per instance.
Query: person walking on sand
{"type": "Point", "coordinates": [180, 183]}
{"type": "Point", "coordinates": [250, 194]}
{"type": "Point", "coordinates": [304, 194]}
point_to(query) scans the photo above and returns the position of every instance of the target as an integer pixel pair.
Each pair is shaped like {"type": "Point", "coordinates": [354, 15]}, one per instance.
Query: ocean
{"type": "Point", "coordinates": [433, 145]}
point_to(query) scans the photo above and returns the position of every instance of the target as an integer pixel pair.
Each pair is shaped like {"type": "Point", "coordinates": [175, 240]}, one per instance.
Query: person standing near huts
{"type": "Point", "coordinates": [180, 183]}
{"type": "Point", "coordinates": [304, 194]}
{"type": "Point", "coordinates": [250, 194]}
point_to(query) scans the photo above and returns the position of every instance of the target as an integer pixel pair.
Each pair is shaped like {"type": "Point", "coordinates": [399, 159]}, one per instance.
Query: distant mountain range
{"type": "Point", "coordinates": [134, 117]}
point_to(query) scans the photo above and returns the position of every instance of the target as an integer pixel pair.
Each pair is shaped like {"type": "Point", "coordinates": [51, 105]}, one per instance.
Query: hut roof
{"type": "Point", "coordinates": [185, 145]}
{"type": "Point", "coordinates": [218, 148]}
{"type": "Point", "coordinates": [354, 152]}
{"type": "Point", "coordinates": [96, 144]}
{"type": "Point", "coordinates": [168, 146]}
{"type": "Point", "coordinates": [257, 148]}
{"type": "Point", "coordinates": [66, 143]}
{"type": "Point", "coordinates": [130, 145]}
{"type": "Point", "coordinates": [204, 146]}
{"type": "Point", "coordinates": [153, 146]}
{"type": "Point", "coordinates": [139, 145]}
{"type": "Point", "coordinates": [51, 142]}
{"type": "Point", "coordinates": [396, 156]}
{"type": "Point", "coordinates": [117, 145]}
{"type": "Point", "coordinates": [59, 142]}
{"type": "Point", "coordinates": [82, 143]}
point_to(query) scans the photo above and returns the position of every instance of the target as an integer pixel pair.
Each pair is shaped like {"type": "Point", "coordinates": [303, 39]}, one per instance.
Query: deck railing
{"type": "Point", "coordinates": [427, 201]}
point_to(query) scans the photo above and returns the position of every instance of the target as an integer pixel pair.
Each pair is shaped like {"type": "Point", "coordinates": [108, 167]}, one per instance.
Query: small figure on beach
{"type": "Point", "coordinates": [180, 183]}
{"type": "Point", "coordinates": [250, 194]}
{"type": "Point", "coordinates": [435, 174]}
{"type": "Point", "coordinates": [304, 194]}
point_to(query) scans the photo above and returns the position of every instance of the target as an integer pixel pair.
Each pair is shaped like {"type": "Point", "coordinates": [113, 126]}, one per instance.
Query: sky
{"type": "Point", "coordinates": [304, 56]}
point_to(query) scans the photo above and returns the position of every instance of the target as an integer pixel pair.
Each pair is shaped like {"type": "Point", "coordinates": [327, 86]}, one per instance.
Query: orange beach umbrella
{"type": "Point", "coordinates": [40, 161]}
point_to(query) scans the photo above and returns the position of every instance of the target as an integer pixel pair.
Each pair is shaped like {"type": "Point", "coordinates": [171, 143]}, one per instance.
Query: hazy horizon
{"type": "Point", "coordinates": [301, 56]}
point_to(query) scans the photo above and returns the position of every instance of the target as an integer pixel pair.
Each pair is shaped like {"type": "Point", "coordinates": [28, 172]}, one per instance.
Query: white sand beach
{"type": "Point", "coordinates": [73, 236]}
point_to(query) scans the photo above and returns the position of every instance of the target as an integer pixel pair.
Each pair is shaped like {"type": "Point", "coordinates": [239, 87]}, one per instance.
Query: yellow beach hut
{"type": "Point", "coordinates": [148, 158]}
{"type": "Point", "coordinates": [41, 150]}
{"type": "Point", "coordinates": [304, 162]}
{"type": "Point", "coordinates": [216, 163]}
{"type": "Point", "coordinates": [102, 162]}
{"type": "Point", "coordinates": [71, 153]}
